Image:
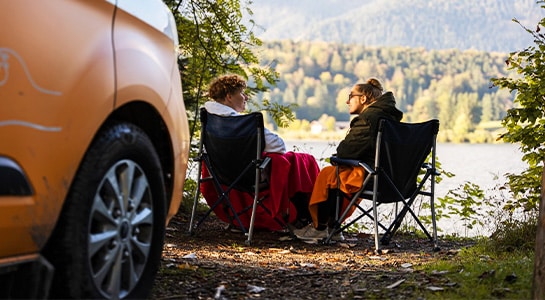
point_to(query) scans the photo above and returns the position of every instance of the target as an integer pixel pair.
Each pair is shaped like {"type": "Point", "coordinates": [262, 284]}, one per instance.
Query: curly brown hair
{"type": "Point", "coordinates": [227, 84]}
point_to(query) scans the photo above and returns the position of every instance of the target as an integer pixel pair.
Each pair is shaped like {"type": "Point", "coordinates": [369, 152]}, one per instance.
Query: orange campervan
{"type": "Point", "coordinates": [94, 146]}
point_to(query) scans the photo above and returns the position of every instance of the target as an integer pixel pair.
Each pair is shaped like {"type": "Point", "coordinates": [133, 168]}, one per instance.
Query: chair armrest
{"type": "Point", "coordinates": [344, 161]}
{"type": "Point", "coordinates": [351, 162]}
{"type": "Point", "coordinates": [430, 168]}
{"type": "Point", "coordinates": [264, 163]}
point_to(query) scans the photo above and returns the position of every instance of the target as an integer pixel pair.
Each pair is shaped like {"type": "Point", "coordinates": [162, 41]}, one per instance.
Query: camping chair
{"type": "Point", "coordinates": [401, 153]}
{"type": "Point", "coordinates": [231, 149]}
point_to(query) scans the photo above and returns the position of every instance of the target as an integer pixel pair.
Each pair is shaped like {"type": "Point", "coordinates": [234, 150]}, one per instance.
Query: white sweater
{"type": "Point", "coordinates": [273, 143]}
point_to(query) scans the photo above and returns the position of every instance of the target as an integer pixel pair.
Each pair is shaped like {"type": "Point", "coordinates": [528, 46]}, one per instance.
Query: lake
{"type": "Point", "coordinates": [481, 164]}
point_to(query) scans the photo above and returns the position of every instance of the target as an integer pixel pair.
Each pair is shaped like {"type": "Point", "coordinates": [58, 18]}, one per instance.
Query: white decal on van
{"type": "Point", "coordinates": [5, 54]}
{"type": "Point", "coordinates": [28, 124]}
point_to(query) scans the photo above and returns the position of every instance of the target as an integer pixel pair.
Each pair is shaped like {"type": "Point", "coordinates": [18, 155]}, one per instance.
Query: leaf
{"type": "Point", "coordinates": [219, 290]}
{"type": "Point", "coordinates": [190, 256]}
{"type": "Point", "coordinates": [395, 284]}
{"type": "Point", "coordinates": [255, 289]}
{"type": "Point", "coordinates": [187, 266]}
{"type": "Point", "coordinates": [377, 257]}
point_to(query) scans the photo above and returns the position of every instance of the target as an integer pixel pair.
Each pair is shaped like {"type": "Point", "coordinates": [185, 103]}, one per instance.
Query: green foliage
{"type": "Point", "coordinates": [514, 234]}
{"type": "Point", "coordinates": [464, 202]}
{"type": "Point", "coordinates": [526, 188]}
{"type": "Point", "coordinates": [214, 41]}
{"type": "Point", "coordinates": [477, 273]}
{"type": "Point", "coordinates": [422, 201]}
{"type": "Point", "coordinates": [282, 114]}
{"type": "Point", "coordinates": [524, 124]}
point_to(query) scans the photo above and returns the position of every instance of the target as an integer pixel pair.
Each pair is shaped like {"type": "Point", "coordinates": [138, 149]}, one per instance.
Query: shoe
{"type": "Point", "coordinates": [338, 237]}
{"type": "Point", "coordinates": [310, 233]}
{"type": "Point", "coordinates": [301, 223]}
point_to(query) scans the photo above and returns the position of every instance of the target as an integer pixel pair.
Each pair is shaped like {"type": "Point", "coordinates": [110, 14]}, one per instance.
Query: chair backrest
{"type": "Point", "coordinates": [404, 148]}
{"type": "Point", "coordinates": [231, 144]}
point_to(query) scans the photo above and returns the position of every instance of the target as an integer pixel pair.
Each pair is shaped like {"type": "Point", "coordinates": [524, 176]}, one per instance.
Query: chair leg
{"type": "Point", "coordinates": [254, 206]}
{"type": "Point", "coordinates": [375, 216]}
{"type": "Point", "coordinates": [194, 209]}
{"type": "Point", "coordinates": [434, 224]}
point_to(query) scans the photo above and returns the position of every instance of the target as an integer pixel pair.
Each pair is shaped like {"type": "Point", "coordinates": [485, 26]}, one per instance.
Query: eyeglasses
{"type": "Point", "coordinates": [352, 95]}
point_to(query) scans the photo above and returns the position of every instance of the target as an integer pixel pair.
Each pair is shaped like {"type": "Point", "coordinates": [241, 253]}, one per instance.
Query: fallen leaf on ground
{"type": "Point", "coordinates": [255, 289]}
{"type": "Point", "coordinates": [395, 284]}
{"type": "Point", "coordinates": [190, 256]}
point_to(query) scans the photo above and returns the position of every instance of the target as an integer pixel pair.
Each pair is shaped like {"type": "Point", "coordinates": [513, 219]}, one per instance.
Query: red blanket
{"type": "Point", "coordinates": [291, 173]}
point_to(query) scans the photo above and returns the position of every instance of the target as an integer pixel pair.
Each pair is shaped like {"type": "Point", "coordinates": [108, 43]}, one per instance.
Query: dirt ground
{"type": "Point", "coordinates": [215, 263]}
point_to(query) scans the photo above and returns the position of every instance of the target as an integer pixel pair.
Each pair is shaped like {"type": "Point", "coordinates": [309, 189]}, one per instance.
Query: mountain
{"type": "Point", "coordinates": [484, 25]}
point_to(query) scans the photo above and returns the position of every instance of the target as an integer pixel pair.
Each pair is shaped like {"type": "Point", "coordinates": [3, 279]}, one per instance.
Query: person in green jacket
{"type": "Point", "coordinates": [370, 104]}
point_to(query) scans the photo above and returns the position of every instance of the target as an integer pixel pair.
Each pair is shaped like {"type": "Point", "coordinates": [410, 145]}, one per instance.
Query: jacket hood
{"type": "Point", "coordinates": [219, 109]}
{"type": "Point", "coordinates": [387, 103]}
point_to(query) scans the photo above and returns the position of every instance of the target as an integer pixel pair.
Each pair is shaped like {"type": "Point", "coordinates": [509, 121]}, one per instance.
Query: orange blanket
{"type": "Point", "coordinates": [351, 181]}
{"type": "Point", "coordinates": [291, 173]}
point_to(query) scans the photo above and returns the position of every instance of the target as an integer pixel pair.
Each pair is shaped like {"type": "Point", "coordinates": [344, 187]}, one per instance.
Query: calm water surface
{"type": "Point", "coordinates": [482, 164]}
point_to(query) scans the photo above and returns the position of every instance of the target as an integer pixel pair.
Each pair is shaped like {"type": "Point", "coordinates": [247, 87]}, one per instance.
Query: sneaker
{"type": "Point", "coordinates": [338, 236]}
{"type": "Point", "coordinates": [300, 223]}
{"type": "Point", "coordinates": [310, 233]}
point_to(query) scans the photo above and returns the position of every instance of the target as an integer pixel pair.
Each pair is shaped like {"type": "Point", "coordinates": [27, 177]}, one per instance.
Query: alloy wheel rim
{"type": "Point", "coordinates": [120, 229]}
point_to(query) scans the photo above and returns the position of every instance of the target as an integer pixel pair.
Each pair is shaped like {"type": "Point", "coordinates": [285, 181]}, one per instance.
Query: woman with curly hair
{"type": "Point", "coordinates": [291, 174]}
{"type": "Point", "coordinates": [228, 93]}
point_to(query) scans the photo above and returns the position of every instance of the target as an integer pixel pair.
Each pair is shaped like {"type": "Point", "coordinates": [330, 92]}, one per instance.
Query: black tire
{"type": "Point", "coordinates": [109, 238]}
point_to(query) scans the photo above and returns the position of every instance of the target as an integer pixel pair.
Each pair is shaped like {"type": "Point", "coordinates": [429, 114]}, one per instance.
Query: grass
{"type": "Point", "coordinates": [496, 267]}
{"type": "Point", "coordinates": [479, 273]}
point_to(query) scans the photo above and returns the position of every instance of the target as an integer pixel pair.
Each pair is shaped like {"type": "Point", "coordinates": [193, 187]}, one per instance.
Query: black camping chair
{"type": "Point", "coordinates": [402, 150]}
{"type": "Point", "coordinates": [231, 149]}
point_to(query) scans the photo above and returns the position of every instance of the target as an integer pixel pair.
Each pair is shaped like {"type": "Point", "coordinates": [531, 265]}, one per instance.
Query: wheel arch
{"type": "Point", "coordinates": [146, 117]}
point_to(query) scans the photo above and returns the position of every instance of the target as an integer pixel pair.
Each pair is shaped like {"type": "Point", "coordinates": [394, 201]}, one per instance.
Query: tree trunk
{"type": "Point", "coordinates": [538, 288]}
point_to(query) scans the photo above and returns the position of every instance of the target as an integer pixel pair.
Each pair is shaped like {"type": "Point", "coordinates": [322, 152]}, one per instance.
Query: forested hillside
{"type": "Point", "coordinates": [484, 25]}
{"type": "Point", "coordinates": [451, 85]}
